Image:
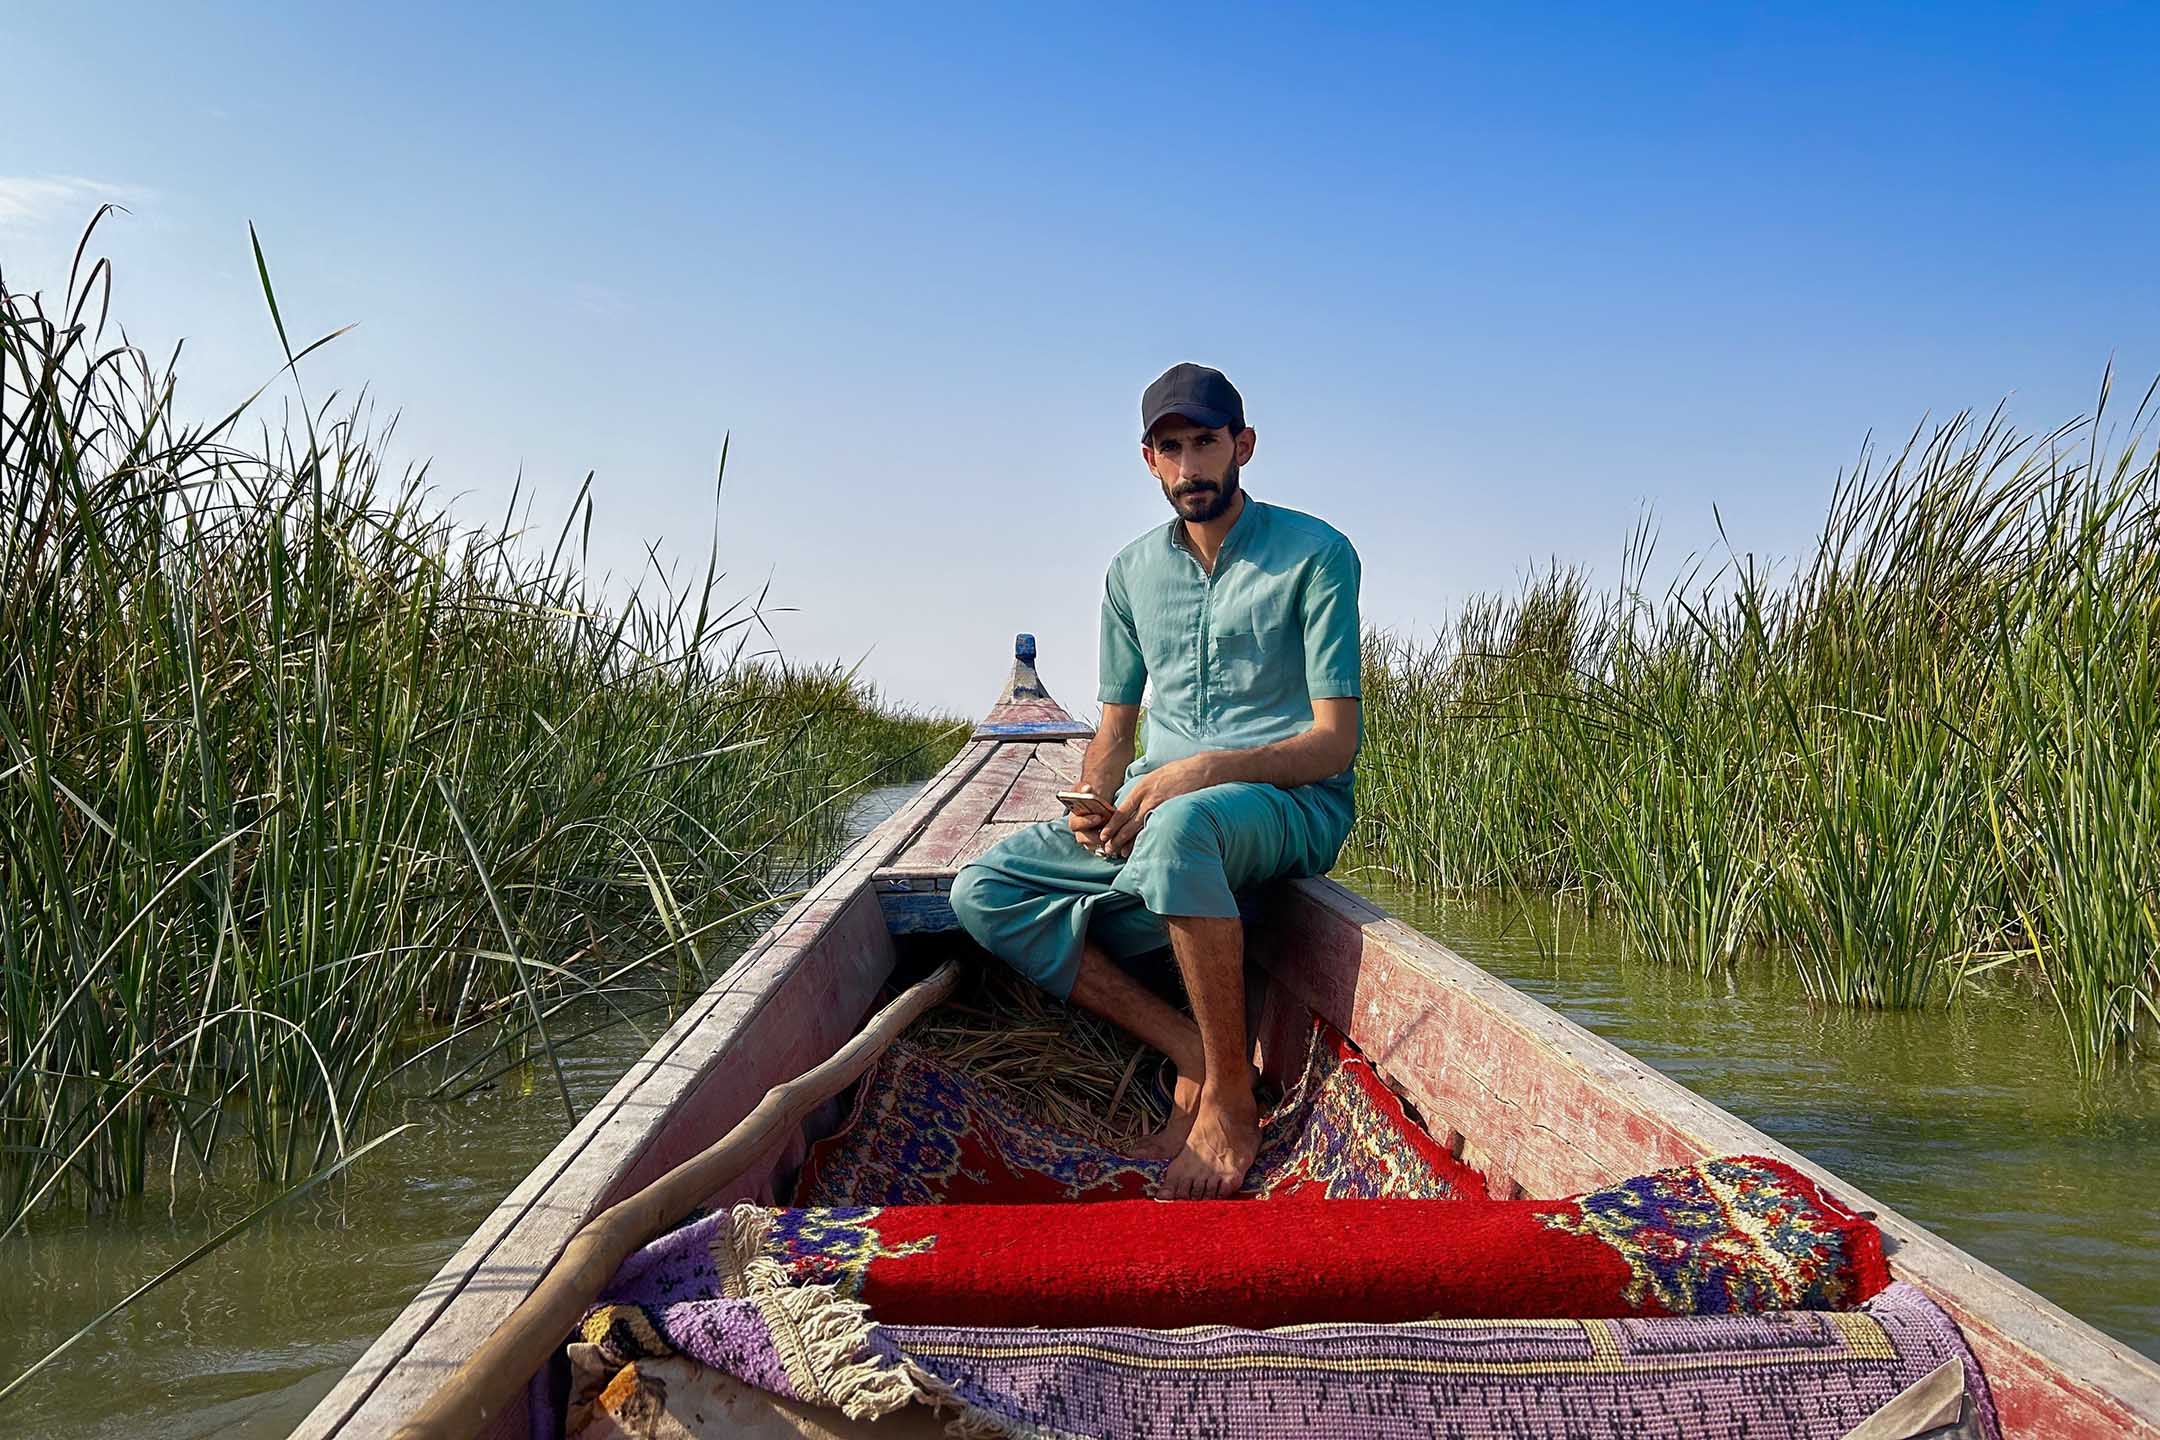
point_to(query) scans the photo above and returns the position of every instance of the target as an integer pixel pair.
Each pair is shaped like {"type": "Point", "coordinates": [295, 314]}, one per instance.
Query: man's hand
{"type": "Point", "coordinates": [1103, 769]}
{"type": "Point", "coordinates": [1087, 824]}
{"type": "Point", "coordinates": [1150, 790]}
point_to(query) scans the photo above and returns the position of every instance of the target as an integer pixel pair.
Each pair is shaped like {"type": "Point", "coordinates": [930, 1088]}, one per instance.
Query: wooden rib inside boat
{"type": "Point", "coordinates": [1542, 1107]}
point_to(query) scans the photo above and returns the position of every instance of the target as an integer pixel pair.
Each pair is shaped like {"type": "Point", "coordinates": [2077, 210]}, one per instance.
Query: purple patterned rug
{"type": "Point", "coordinates": [1781, 1376]}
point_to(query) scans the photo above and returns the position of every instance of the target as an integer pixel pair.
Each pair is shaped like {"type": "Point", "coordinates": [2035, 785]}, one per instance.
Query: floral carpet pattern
{"type": "Point", "coordinates": [923, 1133]}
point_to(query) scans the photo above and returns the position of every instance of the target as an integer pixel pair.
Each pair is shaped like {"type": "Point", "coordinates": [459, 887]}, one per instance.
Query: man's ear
{"type": "Point", "coordinates": [1245, 444]}
{"type": "Point", "coordinates": [1147, 458]}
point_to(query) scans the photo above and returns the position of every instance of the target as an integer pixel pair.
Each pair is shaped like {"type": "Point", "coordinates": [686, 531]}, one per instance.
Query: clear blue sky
{"type": "Point", "coordinates": [1492, 282]}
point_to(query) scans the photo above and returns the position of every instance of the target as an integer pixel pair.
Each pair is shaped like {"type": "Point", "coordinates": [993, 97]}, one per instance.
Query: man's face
{"type": "Point", "coordinates": [1198, 467]}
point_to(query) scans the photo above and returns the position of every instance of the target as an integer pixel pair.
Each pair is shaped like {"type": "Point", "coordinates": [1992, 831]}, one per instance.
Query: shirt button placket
{"type": "Point", "coordinates": [1202, 655]}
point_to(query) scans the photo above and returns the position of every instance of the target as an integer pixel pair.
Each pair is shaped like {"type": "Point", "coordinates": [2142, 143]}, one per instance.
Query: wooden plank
{"type": "Point", "coordinates": [900, 881]}
{"type": "Point", "coordinates": [914, 817]}
{"type": "Point", "coordinates": [957, 820]}
{"type": "Point", "coordinates": [1036, 720]}
{"type": "Point", "coordinates": [988, 836]}
{"type": "Point", "coordinates": [1033, 795]}
{"type": "Point", "coordinates": [950, 841]}
{"type": "Point", "coordinates": [860, 958]}
{"type": "Point", "coordinates": [1556, 1110]}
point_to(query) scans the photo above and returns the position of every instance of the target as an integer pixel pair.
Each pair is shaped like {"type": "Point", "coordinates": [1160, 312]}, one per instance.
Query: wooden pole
{"type": "Point", "coordinates": [494, 1374]}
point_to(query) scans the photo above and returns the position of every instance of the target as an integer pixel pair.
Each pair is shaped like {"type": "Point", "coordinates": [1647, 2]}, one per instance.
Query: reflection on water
{"type": "Point", "coordinates": [1971, 1124]}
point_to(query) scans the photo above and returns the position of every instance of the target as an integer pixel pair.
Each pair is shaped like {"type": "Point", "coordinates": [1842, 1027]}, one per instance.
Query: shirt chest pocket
{"type": "Point", "coordinates": [1258, 647]}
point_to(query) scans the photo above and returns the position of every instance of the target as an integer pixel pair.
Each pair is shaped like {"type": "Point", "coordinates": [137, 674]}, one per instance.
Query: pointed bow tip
{"type": "Point", "coordinates": [1025, 710]}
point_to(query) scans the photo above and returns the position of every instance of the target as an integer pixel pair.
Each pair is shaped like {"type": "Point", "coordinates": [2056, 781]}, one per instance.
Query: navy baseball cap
{"type": "Point", "coordinates": [1201, 395]}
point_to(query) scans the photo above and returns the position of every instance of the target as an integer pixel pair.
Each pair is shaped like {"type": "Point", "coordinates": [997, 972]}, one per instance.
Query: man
{"type": "Point", "coordinates": [1245, 617]}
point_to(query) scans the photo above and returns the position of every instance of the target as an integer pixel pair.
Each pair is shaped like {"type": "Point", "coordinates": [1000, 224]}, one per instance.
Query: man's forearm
{"type": "Point", "coordinates": [1303, 759]}
{"type": "Point", "coordinates": [1102, 769]}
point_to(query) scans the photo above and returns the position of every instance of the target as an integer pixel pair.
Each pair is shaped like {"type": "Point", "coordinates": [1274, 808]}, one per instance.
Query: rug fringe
{"type": "Point", "coordinates": [823, 1337]}
{"type": "Point", "coordinates": [969, 1422]}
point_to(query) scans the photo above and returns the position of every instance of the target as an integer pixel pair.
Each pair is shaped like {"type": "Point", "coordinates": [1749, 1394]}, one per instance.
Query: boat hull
{"type": "Point", "coordinates": [1542, 1106]}
{"type": "Point", "coordinates": [1545, 1108]}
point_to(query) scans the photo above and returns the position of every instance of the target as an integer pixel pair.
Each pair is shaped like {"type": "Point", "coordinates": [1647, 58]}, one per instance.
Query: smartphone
{"type": "Point", "coordinates": [1082, 800]}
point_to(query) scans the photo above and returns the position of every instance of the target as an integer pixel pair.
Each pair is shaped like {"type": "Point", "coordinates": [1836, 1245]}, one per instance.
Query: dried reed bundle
{"type": "Point", "coordinates": [1056, 1062]}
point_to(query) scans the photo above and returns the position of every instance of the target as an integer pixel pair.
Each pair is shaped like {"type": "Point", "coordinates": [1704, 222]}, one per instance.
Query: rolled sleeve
{"type": "Point", "coordinates": [1330, 603]}
{"type": "Point", "coordinates": [1123, 669]}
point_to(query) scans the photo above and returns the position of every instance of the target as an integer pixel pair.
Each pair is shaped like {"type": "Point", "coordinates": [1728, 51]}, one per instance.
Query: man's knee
{"type": "Point", "coordinates": [1185, 824]}
{"type": "Point", "coordinates": [973, 899]}
{"type": "Point", "coordinates": [1012, 922]}
{"type": "Point", "coordinates": [989, 905]}
{"type": "Point", "coordinates": [1235, 835]}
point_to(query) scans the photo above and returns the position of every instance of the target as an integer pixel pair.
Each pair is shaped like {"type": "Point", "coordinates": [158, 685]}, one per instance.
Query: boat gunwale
{"type": "Point", "coordinates": [362, 1381]}
{"type": "Point", "coordinates": [2056, 1347]}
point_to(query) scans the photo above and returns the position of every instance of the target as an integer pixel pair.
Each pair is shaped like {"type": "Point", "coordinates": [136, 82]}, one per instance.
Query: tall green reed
{"type": "Point", "coordinates": [1930, 750]}
{"type": "Point", "coordinates": [296, 773]}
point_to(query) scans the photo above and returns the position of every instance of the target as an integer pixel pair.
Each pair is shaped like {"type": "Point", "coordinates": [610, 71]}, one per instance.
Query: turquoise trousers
{"type": "Point", "coordinates": [1034, 898]}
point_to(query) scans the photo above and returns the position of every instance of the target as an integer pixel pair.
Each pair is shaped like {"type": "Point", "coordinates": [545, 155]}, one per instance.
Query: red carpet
{"type": "Point", "coordinates": [1723, 1237]}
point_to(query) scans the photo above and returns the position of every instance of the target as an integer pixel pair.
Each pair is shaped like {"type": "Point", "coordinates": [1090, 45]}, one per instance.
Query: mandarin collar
{"type": "Point", "coordinates": [1239, 528]}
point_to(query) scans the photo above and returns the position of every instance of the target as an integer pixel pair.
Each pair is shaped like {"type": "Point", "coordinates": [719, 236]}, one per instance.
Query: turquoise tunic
{"type": "Point", "coordinates": [1236, 659]}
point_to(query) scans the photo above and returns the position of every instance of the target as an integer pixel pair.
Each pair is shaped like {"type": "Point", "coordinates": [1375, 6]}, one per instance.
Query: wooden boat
{"type": "Point", "coordinates": [1542, 1106]}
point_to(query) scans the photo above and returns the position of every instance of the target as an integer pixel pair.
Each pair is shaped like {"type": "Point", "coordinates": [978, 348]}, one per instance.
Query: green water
{"type": "Point", "coordinates": [1972, 1124]}
{"type": "Point", "coordinates": [245, 1343]}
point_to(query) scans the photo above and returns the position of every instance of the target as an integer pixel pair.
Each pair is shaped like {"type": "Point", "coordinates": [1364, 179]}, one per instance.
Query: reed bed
{"type": "Point", "coordinates": [1929, 750]}
{"type": "Point", "coordinates": [306, 790]}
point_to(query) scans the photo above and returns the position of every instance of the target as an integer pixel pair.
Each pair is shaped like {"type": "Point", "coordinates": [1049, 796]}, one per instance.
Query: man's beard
{"type": "Point", "coordinates": [1205, 506]}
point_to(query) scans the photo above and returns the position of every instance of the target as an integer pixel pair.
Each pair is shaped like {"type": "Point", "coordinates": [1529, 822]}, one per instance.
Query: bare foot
{"type": "Point", "coordinates": [1224, 1141]}
{"type": "Point", "coordinates": [1165, 1143]}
